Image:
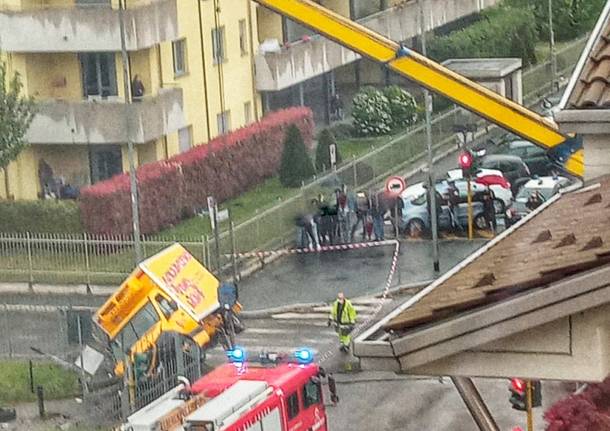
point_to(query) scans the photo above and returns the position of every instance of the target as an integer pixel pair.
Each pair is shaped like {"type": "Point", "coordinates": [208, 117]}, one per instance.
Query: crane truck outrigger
{"type": "Point", "coordinates": [566, 151]}
{"type": "Point", "coordinates": [170, 294]}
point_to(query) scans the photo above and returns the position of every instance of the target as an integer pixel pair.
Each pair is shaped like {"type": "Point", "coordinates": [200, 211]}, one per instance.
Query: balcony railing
{"type": "Point", "coordinates": [305, 60]}
{"type": "Point", "coordinates": [82, 28]}
{"type": "Point", "coordinates": [106, 122]}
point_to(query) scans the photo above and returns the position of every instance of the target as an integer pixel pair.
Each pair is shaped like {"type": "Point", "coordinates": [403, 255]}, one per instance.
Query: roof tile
{"type": "Point", "coordinates": [592, 91]}
{"type": "Point", "coordinates": [576, 240]}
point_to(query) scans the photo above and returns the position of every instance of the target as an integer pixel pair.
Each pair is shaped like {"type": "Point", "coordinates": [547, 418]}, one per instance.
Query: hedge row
{"type": "Point", "coordinates": [502, 32]}
{"type": "Point", "coordinates": [45, 216]}
{"type": "Point", "coordinates": [174, 189]}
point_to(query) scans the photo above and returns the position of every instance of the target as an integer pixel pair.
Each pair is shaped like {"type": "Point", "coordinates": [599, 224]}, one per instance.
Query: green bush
{"type": "Point", "coordinates": [371, 113]}
{"type": "Point", "coordinates": [296, 165]}
{"type": "Point", "coordinates": [325, 140]}
{"type": "Point", "coordinates": [571, 18]}
{"type": "Point", "coordinates": [401, 106]}
{"type": "Point", "coordinates": [47, 216]}
{"type": "Point", "coordinates": [503, 32]}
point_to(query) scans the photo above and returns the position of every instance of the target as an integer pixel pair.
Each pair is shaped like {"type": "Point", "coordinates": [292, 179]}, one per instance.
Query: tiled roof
{"type": "Point", "coordinates": [571, 235]}
{"type": "Point", "coordinates": [592, 90]}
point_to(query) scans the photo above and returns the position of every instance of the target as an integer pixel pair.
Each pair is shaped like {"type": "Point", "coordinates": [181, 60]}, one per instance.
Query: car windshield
{"type": "Point", "coordinates": [139, 324]}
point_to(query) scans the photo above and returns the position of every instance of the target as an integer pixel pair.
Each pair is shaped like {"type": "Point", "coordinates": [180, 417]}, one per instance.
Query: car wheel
{"type": "Point", "coordinates": [415, 229]}
{"type": "Point", "coordinates": [499, 206]}
{"type": "Point", "coordinates": [480, 222]}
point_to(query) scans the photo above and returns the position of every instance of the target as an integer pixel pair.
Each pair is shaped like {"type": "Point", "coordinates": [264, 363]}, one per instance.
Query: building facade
{"type": "Point", "coordinates": [206, 66]}
{"type": "Point", "coordinates": [194, 59]}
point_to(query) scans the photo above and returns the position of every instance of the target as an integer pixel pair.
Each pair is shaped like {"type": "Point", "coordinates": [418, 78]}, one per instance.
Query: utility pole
{"type": "Point", "coordinates": [431, 187]}
{"type": "Point", "coordinates": [552, 48]}
{"type": "Point", "coordinates": [135, 212]}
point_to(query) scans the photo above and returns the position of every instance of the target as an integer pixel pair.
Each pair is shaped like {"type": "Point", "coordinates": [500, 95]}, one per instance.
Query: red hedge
{"type": "Point", "coordinates": [169, 190]}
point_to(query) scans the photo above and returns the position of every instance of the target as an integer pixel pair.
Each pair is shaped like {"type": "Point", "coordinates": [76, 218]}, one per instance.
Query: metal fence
{"type": "Point", "coordinates": [93, 260]}
{"type": "Point", "coordinates": [55, 334]}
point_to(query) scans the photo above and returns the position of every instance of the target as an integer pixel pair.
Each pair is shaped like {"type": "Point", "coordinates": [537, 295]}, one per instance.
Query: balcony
{"type": "Point", "coordinates": [104, 122]}
{"type": "Point", "coordinates": [88, 28]}
{"type": "Point", "coordinates": [305, 60]}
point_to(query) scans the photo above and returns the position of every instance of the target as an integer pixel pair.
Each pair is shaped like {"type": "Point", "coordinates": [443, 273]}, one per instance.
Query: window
{"type": "Point", "coordinates": [184, 139]}
{"type": "Point", "coordinates": [247, 113]}
{"type": "Point", "coordinates": [311, 394]}
{"type": "Point", "coordinates": [224, 122]}
{"type": "Point", "coordinates": [293, 406]}
{"type": "Point", "coordinates": [105, 161]}
{"type": "Point", "coordinates": [179, 51]}
{"type": "Point", "coordinates": [99, 74]}
{"type": "Point", "coordinates": [218, 45]}
{"type": "Point", "coordinates": [167, 306]}
{"type": "Point", "coordinates": [243, 37]}
{"type": "Point", "coordinates": [137, 327]}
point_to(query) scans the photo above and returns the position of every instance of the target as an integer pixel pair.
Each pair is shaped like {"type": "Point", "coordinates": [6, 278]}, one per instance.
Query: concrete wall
{"type": "Point", "coordinates": [87, 28]}
{"type": "Point", "coordinates": [574, 348]}
{"type": "Point", "coordinates": [104, 122]}
{"type": "Point", "coordinates": [593, 126]}
{"type": "Point", "coordinates": [54, 76]}
{"type": "Point", "coordinates": [305, 60]}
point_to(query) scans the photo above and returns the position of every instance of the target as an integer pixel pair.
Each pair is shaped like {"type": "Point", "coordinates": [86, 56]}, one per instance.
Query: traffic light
{"type": "Point", "coordinates": [518, 394]}
{"type": "Point", "coordinates": [466, 161]}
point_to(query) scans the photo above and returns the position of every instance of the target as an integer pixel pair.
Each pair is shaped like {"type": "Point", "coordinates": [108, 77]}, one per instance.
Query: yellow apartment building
{"type": "Point", "coordinates": [207, 67]}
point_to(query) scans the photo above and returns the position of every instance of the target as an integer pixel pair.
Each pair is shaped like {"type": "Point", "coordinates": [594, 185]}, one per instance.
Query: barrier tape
{"type": "Point", "coordinates": [319, 249]}
{"type": "Point", "coordinates": [386, 291]}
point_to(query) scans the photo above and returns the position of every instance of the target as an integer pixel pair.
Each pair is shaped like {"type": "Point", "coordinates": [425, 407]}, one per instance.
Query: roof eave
{"type": "Point", "coordinates": [506, 318]}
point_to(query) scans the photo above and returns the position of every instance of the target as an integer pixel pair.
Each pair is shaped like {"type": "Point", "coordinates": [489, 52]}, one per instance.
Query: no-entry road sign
{"type": "Point", "coordinates": [395, 185]}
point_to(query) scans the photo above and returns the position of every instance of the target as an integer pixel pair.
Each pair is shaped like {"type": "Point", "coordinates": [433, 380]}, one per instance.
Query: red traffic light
{"type": "Point", "coordinates": [518, 385]}
{"type": "Point", "coordinates": [465, 160]}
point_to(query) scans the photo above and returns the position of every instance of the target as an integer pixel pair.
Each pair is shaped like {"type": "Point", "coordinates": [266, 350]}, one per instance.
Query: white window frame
{"type": "Point", "coordinates": [219, 52]}
{"type": "Point", "coordinates": [180, 46]}
{"type": "Point", "coordinates": [243, 37]}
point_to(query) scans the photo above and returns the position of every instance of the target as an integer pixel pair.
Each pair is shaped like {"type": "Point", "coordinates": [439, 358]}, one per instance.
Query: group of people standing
{"type": "Point", "coordinates": [339, 220]}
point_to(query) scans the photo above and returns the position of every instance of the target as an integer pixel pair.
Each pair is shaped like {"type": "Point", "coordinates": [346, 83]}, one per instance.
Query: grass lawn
{"type": "Point", "coordinates": [57, 382]}
{"type": "Point", "coordinates": [356, 147]}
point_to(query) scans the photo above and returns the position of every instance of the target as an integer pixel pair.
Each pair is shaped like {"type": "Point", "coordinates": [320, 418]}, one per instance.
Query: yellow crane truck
{"type": "Point", "coordinates": [170, 294]}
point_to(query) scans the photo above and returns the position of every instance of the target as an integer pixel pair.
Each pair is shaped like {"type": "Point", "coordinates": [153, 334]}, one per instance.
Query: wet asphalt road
{"type": "Point", "coordinates": [318, 277]}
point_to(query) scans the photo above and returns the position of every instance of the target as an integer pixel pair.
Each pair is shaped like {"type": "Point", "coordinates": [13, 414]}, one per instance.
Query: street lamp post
{"type": "Point", "coordinates": [552, 48]}
{"type": "Point", "coordinates": [135, 213]}
{"type": "Point", "coordinates": [431, 188]}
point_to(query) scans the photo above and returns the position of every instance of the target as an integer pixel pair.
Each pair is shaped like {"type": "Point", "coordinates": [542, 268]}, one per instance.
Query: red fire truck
{"type": "Point", "coordinates": [273, 393]}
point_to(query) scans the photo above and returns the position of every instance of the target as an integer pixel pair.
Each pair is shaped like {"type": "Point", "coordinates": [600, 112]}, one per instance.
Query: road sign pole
{"type": "Point", "coordinates": [530, 419]}
{"type": "Point", "coordinates": [470, 234]}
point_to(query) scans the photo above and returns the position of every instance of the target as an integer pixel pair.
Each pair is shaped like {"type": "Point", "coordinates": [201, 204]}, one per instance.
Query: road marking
{"type": "Point", "coordinates": [279, 331]}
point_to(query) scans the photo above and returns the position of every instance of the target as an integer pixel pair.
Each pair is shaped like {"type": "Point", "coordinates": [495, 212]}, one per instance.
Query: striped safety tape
{"type": "Point", "coordinates": [320, 249]}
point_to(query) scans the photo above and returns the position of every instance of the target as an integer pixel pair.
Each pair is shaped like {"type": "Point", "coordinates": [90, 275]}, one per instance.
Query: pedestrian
{"type": "Point", "coordinates": [336, 107]}
{"type": "Point", "coordinates": [362, 211]}
{"type": "Point", "coordinates": [137, 88]}
{"type": "Point", "coordinates": [534, 201]}
{"type": "Point", "coordinates": [342, 209]}
{"type": "Point", "coordinates": [489, 210]}
{"type": "Point", "coordinates": [378, 211]}
{"type": "Point", "coordinates": [343, 316]}
{"type": "Point", "coordinates": [454, 204]}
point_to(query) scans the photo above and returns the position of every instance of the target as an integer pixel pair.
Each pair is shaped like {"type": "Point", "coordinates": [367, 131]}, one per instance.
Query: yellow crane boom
{"type": "Point", "coordinates": [437, 78]}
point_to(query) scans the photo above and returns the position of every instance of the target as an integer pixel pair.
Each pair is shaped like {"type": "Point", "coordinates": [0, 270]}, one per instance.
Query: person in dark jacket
{"type": "Point", "coordinates": [489, 210]}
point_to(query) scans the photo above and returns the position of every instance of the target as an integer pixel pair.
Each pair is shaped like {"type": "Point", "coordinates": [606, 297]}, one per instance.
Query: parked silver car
{"type": "Point", "coordinates": [415, 219]}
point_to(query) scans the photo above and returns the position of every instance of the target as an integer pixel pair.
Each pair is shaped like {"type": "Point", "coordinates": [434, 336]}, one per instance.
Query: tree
{"type": "Point", "coordinates": [16, 114]}
{"type": "Point", "coordinates": [296, 165]}
{"type": "Point", "coordinates": [325, 140]}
